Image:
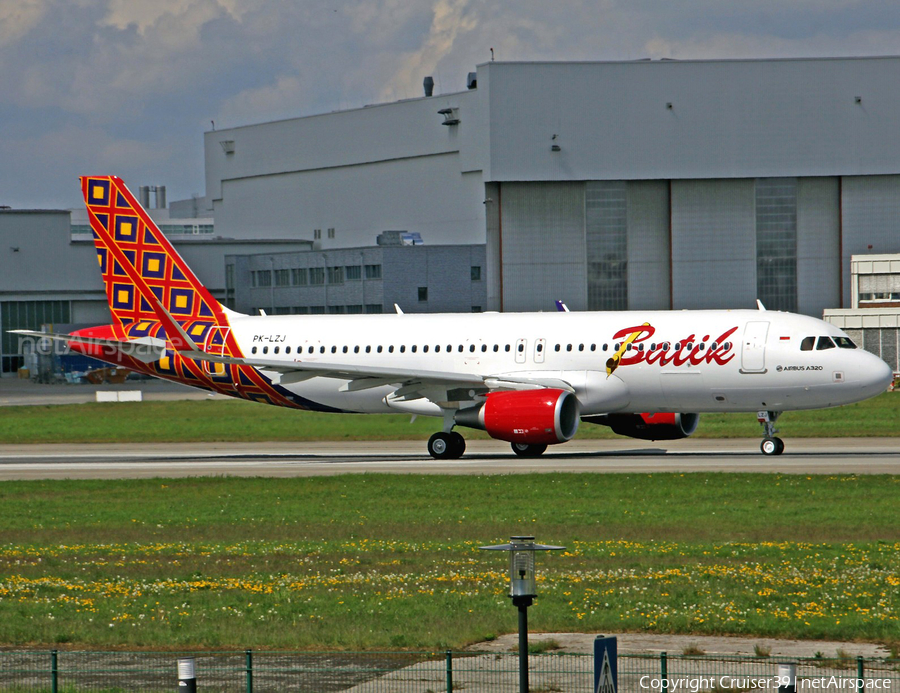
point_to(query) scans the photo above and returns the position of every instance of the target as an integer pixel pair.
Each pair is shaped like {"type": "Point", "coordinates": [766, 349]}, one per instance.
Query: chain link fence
{"type": "Point", "coordinates": [33, 671]}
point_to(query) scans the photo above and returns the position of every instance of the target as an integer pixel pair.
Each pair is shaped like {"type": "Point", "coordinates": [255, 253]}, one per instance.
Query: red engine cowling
{"type": "Point", "coordinates": [663, 426]}
{"type": "Point", "coordinates": [533, 417]}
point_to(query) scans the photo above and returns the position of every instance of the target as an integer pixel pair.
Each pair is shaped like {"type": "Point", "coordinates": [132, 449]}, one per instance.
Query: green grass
{"type": "Point", "coordinates": [236, 420]}
{"type": "Point", "coordinates": [386, 562]}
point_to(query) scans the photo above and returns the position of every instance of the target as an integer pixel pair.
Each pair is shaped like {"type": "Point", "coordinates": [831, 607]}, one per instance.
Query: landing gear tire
{"type": "Point", "coordinates": [772, 446]}
{"type": "Point", "coordinates": [446, 446]}
{"type": "Point", "coordinates": [526, 450]}
{"type": "Point", "coordinates": [458, 443]}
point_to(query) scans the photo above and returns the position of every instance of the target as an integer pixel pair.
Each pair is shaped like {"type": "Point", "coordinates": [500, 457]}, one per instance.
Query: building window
{"type": "Point", "coordinates": [373, 271]}
{"type": "Point", "coordinates": [298, 277]}
{"type": "Point", "coordinates": [301, 310]}
{"type": "Point", "coordinates": [776, 243]}
{"type": "Point", "coordinates": [317, 234]}
{"type": "Point", "coordinates": [282, 277]}
{"type": "Point", "coordinates": [331, 233]}
{"type": "Point", "coordinates": [337, 310]}
{"type": "Point", "coordinates": [353, 272]}
{"type": "Point", "coordinates": [263, 278]}
{"type": "Point", "coordinates": [335, 275]}
{"type": "Point", "coordinates": [374, 308]}
{"type": "Point", "coordinates": [423, 294]}
{"type": "Point", "coordinates": [354, 309]}
{"type": "Point", "coordinates": [476, 309]}
{"type": "Point", "coordinates": [317, 310]}
{"type": "Point", "coordinates": [606, 230]}
{"type": "Point", "coordinates": [316, 275]}
{"type": "Point", "coordinates": [476, 273]}
{"type": "Point", "coordinates": [229, 277]}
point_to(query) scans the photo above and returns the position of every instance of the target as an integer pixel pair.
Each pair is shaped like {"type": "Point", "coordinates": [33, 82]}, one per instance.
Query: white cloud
{"type": "Point", "coordinates": [18, 17]}
{"type": "Point", "coordinates": [282, 99]}
{"type": "Point", "coordinates": [91, 84]}
{"type": "Point", "coordinates": [450, 20]}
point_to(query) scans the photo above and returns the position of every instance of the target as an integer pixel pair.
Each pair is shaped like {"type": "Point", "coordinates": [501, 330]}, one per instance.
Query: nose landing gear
{"type": "Point", "coordinates": [771, 444]}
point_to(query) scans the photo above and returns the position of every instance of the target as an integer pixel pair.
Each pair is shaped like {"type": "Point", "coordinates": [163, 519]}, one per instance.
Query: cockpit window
{"type": "Point", "coordinates": [807, 344]}
{"type": "Point", "coordinates": [845, 342]}
{"type": "Point", "coordinates": [824, 343]}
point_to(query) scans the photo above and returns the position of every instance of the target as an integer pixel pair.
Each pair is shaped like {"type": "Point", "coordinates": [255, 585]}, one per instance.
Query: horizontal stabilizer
{"type": "Point", "coordinates": [144, 349]}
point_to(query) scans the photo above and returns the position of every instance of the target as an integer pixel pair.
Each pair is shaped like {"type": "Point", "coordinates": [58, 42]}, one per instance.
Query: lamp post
{"type": "Point", "coordinates": [522, 589]}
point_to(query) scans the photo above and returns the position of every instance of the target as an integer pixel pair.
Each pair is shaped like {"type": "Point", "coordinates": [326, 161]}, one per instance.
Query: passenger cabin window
{"type": "Point", "coordinates": [807, 343]}
{"type": "Point", "coordinates": [845, 342]}
{"type": "Point", "coordinates": [824, 343]}
{"type": "Point", "coordinates": [253, 350]}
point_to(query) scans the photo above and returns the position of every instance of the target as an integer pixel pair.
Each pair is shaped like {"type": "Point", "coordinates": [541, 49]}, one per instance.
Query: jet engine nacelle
{"type": "Point", "coordinates": [533, 417]}
{"type": "Point", "coordinates": [663, 426]}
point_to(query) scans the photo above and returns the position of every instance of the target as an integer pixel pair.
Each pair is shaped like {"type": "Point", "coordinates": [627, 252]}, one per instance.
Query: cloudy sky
{"type": "Point", "coordinates": [129, 86]}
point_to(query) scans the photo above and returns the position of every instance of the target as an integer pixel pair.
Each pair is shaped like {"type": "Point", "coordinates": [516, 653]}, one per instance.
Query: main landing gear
{"type": "Point", "coordinates": [451, 446]}
{"type": "Point", "coordinates": [771, 444]}
{"type": "Point", "coordinates": [446, 446]}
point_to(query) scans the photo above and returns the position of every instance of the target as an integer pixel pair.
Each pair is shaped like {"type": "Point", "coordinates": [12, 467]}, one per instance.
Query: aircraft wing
{"type": "Point", "coordinates": [411, 381]}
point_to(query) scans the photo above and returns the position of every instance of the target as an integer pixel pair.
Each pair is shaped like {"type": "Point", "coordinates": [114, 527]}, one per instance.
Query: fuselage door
{"type": "Point", "coordinates": [521, 346]}
{"type": "Point", "coordinates": [753, 353]}
{"type": "Point", "coordinates": [540, 345]}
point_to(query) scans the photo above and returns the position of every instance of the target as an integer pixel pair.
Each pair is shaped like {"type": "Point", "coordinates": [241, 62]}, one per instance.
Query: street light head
{"type": "Point", "coordinates": [522, 580]}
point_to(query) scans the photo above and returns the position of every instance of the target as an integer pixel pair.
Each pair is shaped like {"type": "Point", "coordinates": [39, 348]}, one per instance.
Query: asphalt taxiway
{"type": "Point", "coordinates": [120, 461]}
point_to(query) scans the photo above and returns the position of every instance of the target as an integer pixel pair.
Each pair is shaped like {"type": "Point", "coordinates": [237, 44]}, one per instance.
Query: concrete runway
{"type": "Point", "coordinates": [116, 461]}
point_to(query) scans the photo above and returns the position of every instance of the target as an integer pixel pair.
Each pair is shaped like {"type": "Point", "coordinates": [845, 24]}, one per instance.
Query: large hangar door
{"type": "Point", "coordinates": [543, 245]}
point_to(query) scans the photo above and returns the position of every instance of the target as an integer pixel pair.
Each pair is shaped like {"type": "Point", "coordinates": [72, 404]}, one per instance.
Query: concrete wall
{"type": "Point", "coordinates": [728, 119]}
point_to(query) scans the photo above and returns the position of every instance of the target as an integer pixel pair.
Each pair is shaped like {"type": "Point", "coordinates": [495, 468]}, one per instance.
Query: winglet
{"type": "Point", "coordinates": [760, 305]}
{"type": "Point", "coordinates": [562, 307]}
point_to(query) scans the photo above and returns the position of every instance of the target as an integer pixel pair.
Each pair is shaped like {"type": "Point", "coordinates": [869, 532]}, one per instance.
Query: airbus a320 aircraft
{"type": "Point", "coordinates": [526, 378]}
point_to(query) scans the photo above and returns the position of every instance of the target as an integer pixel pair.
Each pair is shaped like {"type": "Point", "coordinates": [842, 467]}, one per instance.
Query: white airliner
{"type": "Point", "coordinates": [526, 378]}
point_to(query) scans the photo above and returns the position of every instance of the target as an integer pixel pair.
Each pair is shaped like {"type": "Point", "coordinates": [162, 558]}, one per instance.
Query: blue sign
{"type": "Point", "coordinates": [606, 665]}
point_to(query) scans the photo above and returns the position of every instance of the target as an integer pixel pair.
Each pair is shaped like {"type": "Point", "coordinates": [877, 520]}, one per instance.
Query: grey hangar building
{"type": "Point", "coordinates": [608, 185]}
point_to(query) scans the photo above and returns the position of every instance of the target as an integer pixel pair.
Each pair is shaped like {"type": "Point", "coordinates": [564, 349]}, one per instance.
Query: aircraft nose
{"type": "Point", "coordinates": [875, 375]}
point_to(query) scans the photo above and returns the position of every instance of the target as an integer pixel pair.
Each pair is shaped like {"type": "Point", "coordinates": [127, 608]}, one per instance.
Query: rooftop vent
{"type": "Point", "coordinates": [428, 83]}
{"type": "Point", "coordinates": [472, 80]}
